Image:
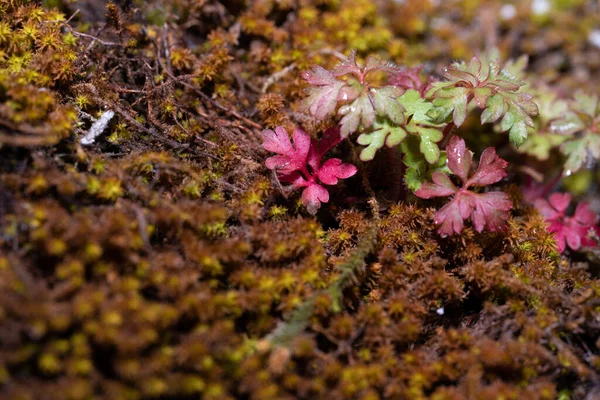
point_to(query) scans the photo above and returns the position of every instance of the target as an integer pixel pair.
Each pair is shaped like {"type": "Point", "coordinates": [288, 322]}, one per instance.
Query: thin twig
{"type": "Point", "coordinates": [94, 38]}
{"type": "Point", "coordinates": [73, 16]}
{"type": "Point", "coordinates": [277, 76]}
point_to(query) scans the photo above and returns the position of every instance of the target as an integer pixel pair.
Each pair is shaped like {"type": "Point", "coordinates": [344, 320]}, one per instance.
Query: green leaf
{"type": "Point", "coordinates": [494, 89]}
{"type": "Point", "coordinates": [587, 104]}
{"type": "Point", "coordinates": [507, 122]}
{"type": "Point", "coordinates": [493, 110]}
{"type": "Point", "coordinates": [386, 103]}
{"type": "Point", "coordinates": [576, 155]}
{"type": "Point", "coordinates": [359, 113]}
{"type": "Point", "coordinates": [415, 105]}
{"type": "Point", "coordinates": [417, 170]}
{"type": "Point", "coordinates": [539, 145]}
{"type": "Point", "coordinates": [429, 148]}
{"type": "Point", "coordinates": [421, 124]}
{"type": "Point", "coordinates": [578, 151]}
{"type": "Point", "coordinates": [384, 133]}
{"type": "Point", "coordinates": [518, 133]}
{"type": "Point", "coordinates": [455, 101]}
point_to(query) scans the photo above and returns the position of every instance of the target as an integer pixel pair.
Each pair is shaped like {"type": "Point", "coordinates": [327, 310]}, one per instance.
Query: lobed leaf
{"type": "Point", "coordinates": [490, 170]}
{"type": "Point", "coordinates": [384, 133]}
{"type": "Point", "coordinates": [333, 169]}
{"type": "Point", "coordinates": [486, 210]}
{"type": "Point", "coordinates": [323, 98]}
{"type": "Point", "coordinates": [489, 87]}
{"type": "Point", "coordinates": [359, 112]}
{"type": "Point", "coordinates": [580, 151]}
{"type": "Point", "coordinates": [421, 125]}
{"type": "Point", "coordinates": [459, 158]}
{"type": "Point", "coordinates": [442, 186]}
{"type": "Point", "coordinates": [291, 163]}
{"type": "Point", "coordinates": [418, 170]}
{"type": "Point", "coordinates": [385, 101]}
{"type": "Point", "coordinates": [290, 157]}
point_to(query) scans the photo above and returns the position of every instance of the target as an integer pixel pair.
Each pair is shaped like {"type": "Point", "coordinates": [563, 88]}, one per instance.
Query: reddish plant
{"type": "Point", "coordinates": [486, 210]}
{"type": "Point", "coordinates": [571, 231]}
{"type": "Point", "coordinates": [301, 164]}
{"type": "Point", "coordinates": [349, 89]}
{"type": "Point", "coordinates": [410, 78]}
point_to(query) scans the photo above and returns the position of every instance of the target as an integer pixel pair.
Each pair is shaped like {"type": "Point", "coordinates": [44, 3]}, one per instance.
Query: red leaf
{"type": "Point", "coordinates": [331, 138]}
{"type": "Point", "coordinates": [441, 187]}
{"type": "Point", "coordinates": [491, 211]}
{"type": "Point", "coordinates": [292, 163]}
{"type": "Point", "coordinates": [313, 196]}
{"type": "Point", "coordinates": [449, 219]}
{"type": "Point", "coordinates": [291, 158]}
{"type": "Point", "coordinates": [410, 78]}
{"type": "Point", "coordinates": [333, 169]}
{"type": "Point", "coordinates": [490, 170]}
{"type": "Point", "coordinates": [569, 231]}
{"type": "Point", "coordinates": [459, 158]}
{"type": "Point", "coordinates": [486, 210]}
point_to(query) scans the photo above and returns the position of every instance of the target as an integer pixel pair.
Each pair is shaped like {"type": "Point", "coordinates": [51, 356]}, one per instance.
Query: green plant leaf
{"type": "Point", "coordinates": [386, 103]}
{"type": "Point", "coordinates": [540, 145]}
{"type": "Point", "coordinates": [420, 124]}
{"type": "Point", "coordinates": [455, 102]}
{"type": "Point", "coordinates": [579, 151]}
{"type": "Point", "coordinates": [384, 133]}
{"type": "Point", "coordinates": [518, 133]}
{"type": "Point", "coordinates": [358, 113]}
{"type": "Point", "coordinates": [491, 88]}
{"type": "Point", "coordinates": [493, 110]}
{"type": "Point", "coordinates": [429, 148]}
{"type": "Point", "coordinates": [417, 169]}
{"type": "Point", "coordinates": [415, 105]}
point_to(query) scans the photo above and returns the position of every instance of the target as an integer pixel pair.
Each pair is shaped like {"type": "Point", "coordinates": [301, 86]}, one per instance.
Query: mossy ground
{"type": "Point", "coordinates": [164, 261]}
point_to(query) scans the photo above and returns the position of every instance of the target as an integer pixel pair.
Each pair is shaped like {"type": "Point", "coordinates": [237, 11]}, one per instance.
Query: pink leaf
{"type": "Point", "coordinates": [410, 78]}
{"type": "Point", "coordinates": [568, 231]}
{"type": "Point", "coordinates": [295, 179]}
{"type": "Point", "coordinates": [333, 169]}
{"type": "Point", "coordinates": [573, 238]}
{"type": "Point", "coordinates": [546, 209]}
{"type": "Point", "coordinates": [560, 201]}
{"type": "Point", "coordinates": [584, 216]}
{"type": "Point", "coordinates": [331, 138]}
{"type": "Point", "coordinates": [322, 99]}
{"type": "Point", "coordinates": [449, 219]}
{"type": "Point", "coordinates": [441, 187]}
{"type": "Point", "coordinates": [291, 163]}
{"type": "Point", "coordinates": [459, 158]}
{"type": "Point", "coordinates": [490, 170]}
{"type": "Point", "coordinates": [491, 211]}
{"type": "Point", "coordinates": [290, 158]}
{"type": "Point", "coordinates": [277, 141]}
{"type": "Point", "coordinates": [313, 196]}
{"type": "Point", "coordinates": [486, 210]}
